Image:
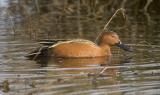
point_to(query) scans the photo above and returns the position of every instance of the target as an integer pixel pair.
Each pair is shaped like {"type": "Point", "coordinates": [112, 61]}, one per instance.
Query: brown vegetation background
{"type": "Point", "coordinates": [45, 19]}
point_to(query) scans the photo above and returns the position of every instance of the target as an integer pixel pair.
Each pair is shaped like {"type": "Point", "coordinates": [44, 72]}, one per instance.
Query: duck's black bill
{"type": "Point", "coordinates": [124, 47]}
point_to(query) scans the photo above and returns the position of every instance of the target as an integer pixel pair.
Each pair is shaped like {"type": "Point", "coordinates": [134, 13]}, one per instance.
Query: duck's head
{"type": "Point", "coordinates": [112, 39]}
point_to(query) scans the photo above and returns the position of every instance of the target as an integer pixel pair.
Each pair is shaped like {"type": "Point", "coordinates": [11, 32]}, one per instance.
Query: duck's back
{"type": "Point", "coordinates": [76, 48]}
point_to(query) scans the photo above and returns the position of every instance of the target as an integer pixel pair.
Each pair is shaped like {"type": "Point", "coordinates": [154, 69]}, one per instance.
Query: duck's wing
{"type": "Point", "coordinates": [49, 42]}
{"type": "Point", "coordinates": [72, 41]}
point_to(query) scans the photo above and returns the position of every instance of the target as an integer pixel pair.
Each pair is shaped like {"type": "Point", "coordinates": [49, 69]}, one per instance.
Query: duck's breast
{"type": "Point", "coordinates": [76, 49]}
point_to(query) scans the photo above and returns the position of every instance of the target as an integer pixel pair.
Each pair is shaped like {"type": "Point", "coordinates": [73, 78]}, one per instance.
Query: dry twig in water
{"type": "Point", "coordinates": [106, 25]}
{"type": "Point", "coordinates": [105, 28]}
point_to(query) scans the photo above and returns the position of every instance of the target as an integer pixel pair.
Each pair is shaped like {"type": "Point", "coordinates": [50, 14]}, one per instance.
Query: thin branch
{"type": "Point", "coordinates": [106, 25]}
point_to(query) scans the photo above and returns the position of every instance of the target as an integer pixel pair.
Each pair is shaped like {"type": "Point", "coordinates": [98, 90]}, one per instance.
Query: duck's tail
{"type": "Point", "coordinates": [42, 52]}
{"type": "Point", "coordinates": [38, 53]}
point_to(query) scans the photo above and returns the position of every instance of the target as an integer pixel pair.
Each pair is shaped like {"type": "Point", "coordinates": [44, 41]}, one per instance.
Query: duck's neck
{"type": "Point", "coordinates": [105, 48]}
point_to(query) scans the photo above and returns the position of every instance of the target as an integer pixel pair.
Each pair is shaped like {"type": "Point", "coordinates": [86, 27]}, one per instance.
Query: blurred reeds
{"type": "Point", "coordinates": [46, 19]}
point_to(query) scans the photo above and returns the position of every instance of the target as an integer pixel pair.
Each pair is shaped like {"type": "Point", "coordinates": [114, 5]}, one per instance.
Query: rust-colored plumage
{"type": "Point", "coordinates": [85, 48]}
{"type": "Point", "coordinates": [80, 48]}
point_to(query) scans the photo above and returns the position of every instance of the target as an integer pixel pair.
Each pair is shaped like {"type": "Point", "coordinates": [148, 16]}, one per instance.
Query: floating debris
{"type": "Point", "coordinates": [5, 86]}
{"type": "Point", "coordinates": [33, 84]}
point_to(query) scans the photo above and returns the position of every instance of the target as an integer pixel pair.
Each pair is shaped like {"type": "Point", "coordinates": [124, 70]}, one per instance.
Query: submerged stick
{"type": "Point", "coordinates": [106, 25]}
{"type": "Point", "coordinates": [12, 26]}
